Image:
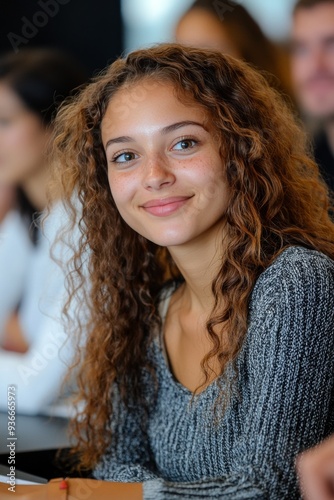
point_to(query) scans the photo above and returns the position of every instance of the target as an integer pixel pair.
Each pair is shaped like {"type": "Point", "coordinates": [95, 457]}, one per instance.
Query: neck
{"type": "Point", "coordinates": [199, 263]}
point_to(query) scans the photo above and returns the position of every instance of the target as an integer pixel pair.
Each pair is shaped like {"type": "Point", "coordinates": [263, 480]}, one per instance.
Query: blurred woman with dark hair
{"type": "Point", "coordinates": [231, 29]}
{"type": "Point", "coordinates": [33, 82]}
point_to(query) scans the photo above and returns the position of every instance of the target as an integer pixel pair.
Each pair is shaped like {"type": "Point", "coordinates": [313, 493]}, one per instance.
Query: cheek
{"type": "Point", "coordinates": [22, 151]}
{"type": "Point", "coordinates": [11, 141]}
{"type": "Point", "coordinates": [214, 183]}
{"type": "Point", "coordinates": [214, 197]}
{"type": "Point", "coordinates": [207, 175]}
{"type": "Point", "coordinates": [26, 141]}
{"type": "Point", "coordinates": [300, 68]}
{"type": "Point", "coordinates": [122, 189]}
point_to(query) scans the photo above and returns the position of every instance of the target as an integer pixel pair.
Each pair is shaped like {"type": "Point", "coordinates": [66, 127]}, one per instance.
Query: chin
{"type": "Point", "coordinates": [167, 240]}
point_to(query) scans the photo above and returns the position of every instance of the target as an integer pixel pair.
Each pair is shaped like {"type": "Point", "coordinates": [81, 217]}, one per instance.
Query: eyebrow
{"type": "Point", "coordinates": [164, 131]}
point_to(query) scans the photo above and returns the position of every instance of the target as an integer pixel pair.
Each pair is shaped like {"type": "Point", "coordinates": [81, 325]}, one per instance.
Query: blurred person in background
{"type": "Point", "coordinates": [312, 64]}
{"type": "Point", "coordinates": [233, 31]}
{"type": "Point", "coordinates": [316, 471]}
{"type": "Point", "coordinates": [33, 82]}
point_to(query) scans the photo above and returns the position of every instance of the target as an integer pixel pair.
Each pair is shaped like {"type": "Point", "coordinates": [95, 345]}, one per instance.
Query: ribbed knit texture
{"type": "Point", "coordinates": [285, 401]}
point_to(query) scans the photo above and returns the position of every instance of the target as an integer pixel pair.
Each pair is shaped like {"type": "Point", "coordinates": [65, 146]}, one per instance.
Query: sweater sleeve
{"type": "Point", "coordinates": [287, 367]}
{"type": "Point", "coordinates": [128, 458]}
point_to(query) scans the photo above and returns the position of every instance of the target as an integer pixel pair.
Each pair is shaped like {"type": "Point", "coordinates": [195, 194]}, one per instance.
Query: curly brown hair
{"type": "Point", "coordinates": [276, 200]}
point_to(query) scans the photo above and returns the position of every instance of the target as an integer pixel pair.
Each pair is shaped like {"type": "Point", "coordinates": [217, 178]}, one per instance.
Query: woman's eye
{"type": "Point", "coordinates": [185, 144]}
{"type": "Point", "coordinates": [124, 157]}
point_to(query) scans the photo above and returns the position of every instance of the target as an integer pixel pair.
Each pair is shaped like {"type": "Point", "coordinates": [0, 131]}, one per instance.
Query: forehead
{"type": "Point", "coordinates": [150, 100]}
{"type": "Point", "coordinates": [313, 22]}
{"type": "Point", "coordinates": [146, 87]}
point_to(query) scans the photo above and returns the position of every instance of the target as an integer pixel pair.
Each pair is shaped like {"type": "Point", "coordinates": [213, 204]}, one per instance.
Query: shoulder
{"type": "Point", "coordinates": [13, 222]}
{"type": "Point", "coordinates": [297, 289]}
{"type": "Point", "coordinates": [303, 258]}
{"type": "Point", "coordinates": [52, 221]}
{"type": "Point", "coordinates": [292, 305]}
{"type": "Point", "coordinates": [295, 268]}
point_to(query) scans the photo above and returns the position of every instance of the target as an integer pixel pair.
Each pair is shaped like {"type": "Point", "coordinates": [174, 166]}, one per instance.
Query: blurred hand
{"type": "Point", "coordinates": [315, 469]}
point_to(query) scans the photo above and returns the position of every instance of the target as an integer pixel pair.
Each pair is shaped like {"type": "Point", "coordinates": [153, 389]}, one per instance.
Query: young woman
{"type": "Point", "coordinates": [32, 84]}
{"type": "Point", "coordinates": [208, 362]}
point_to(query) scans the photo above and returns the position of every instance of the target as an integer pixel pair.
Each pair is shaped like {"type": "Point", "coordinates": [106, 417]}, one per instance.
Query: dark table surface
{"type": "Point", "coordinates": [34, 433]}
{"type": "Point", "coordinates": [38, 439]}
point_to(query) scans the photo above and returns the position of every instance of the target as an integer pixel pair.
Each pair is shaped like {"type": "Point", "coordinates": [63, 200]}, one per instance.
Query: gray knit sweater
{"type": "Point", "coordinates": [285, 402]}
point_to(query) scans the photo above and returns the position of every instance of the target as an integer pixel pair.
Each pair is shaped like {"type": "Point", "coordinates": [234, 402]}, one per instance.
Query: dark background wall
{"type": "Point", "coordinates": [90, 30]}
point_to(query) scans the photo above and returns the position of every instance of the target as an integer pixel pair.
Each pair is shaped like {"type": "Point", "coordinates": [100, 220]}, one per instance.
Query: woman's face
{"type": "Point", "coordinates": [164, 168]}
{"type": "Point", "coordinates": [22, 139]}
{"type": "Point", "coordinates": [200, 28]}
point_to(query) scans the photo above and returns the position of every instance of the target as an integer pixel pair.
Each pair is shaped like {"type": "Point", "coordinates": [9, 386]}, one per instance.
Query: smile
{"type": "Point", "coordinates": [165, 206]}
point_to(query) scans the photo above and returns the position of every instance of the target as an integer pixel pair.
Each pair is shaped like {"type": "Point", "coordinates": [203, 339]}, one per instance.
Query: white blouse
{"type": "Point", "coordinates": [29, 276]}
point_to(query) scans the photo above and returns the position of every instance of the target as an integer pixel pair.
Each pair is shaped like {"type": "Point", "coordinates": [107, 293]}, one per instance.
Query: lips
{"type": "Point", "coordinates": [165, 206]}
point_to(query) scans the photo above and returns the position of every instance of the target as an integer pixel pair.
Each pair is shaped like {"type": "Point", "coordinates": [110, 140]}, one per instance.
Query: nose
{"type": "Point", "coordinates": [157, 174]}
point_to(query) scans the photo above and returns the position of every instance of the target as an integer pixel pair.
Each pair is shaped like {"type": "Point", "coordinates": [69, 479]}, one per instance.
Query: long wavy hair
{"type": "Point", "coordinates": [277, 200]}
